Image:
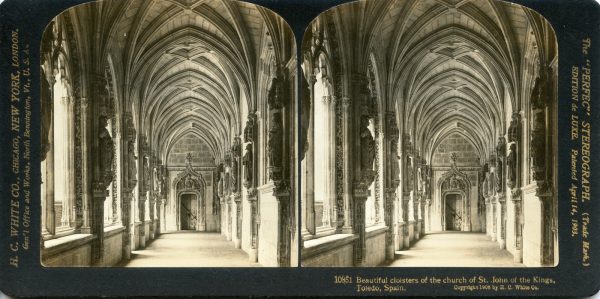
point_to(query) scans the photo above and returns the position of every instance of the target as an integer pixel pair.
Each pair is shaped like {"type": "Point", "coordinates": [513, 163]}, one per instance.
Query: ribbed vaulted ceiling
{"type": "Point", "coordinates": [186, 66]}
{"type": "Point", "coordinates": [448, 65]}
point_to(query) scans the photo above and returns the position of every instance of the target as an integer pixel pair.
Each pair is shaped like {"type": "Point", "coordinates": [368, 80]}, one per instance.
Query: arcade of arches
{"type": "Point", "coordinates": [168, 116]}
{"type": "Point", "coordinates": [435, 119]}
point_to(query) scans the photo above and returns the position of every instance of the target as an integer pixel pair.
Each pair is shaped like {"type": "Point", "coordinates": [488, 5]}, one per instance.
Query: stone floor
{"type": "Point", "coordinates": [454, 249]}
{"type": "Point", "coordinates": [190, 249]}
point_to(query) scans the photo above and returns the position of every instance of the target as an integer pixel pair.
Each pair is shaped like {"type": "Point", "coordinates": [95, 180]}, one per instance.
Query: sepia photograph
{"type": "Point", "coordinates": [429, 136]}
{"type": "Point", "coordinates": [167, 136]}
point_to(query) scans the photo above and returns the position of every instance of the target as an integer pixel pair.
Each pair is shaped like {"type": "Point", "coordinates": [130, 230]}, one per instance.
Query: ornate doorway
{"type": "Point", "coordinates": [454, 212]}
{"type": "Point", "coordinates": [188, 211]}
{"type": "Point", "coordinates": [191, 201]}
{"type": "Point", "coordinates": [455, 188]}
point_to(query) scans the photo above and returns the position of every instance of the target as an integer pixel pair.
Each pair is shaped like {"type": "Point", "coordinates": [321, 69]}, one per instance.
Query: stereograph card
{"type": "Point", "coordinates": [299, 147]}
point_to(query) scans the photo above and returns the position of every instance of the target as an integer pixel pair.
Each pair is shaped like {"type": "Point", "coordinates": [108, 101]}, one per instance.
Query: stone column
{"type": "Point", "coordinates": [513, 181]}
{"type": "Point", "coordinates": [143, 187]}
{"type": "Point", "coordinates": [102, 164]}
{"type": "Point", "coordinates": [392, 181]}
{"type": "Point", "coordinates": [541, 157]}
{"type": "Point", "coordinates": [86, 160]}
{"type": "Point", "coordinates": [407, 190]}
{"type": "Point", "coordinates": [236, 150]}
{"type": "Point", "coordinates": [365, 145]}
{"type": "Point", "coordinates": [126, 220]}
{"type": "Point", "coordinates": [250, 174]}
{"type": "Point", "coordinates": [129, 181]}
{"type": "Point", "coordinates": [348, 177]}
{"type": "Point", "coordinates": [308, 211]}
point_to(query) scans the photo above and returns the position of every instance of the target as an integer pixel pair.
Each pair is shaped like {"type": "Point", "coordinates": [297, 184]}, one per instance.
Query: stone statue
{"type": "Point", "coordinates": [424, 177]}
{"type": "Point", "coordinates": [511, 165]}
{"type": "Point", "coordinates": [367, 144]}
{"type": "Point", "coordinates": [236, 151]}
{"type": "Point", "coordinates": [189, 183]}
{"type": "Point", "coordinates": [485, 184]}
{"type": "Point", "coordinates": [131, 164]}
{"type": "Point", "coordinates": [147, 174]}
{"type": "Point", "coordinates": [409, 174]}
{"type": "Point", "coordinates": [106, 151]}
{"type": "Point", "coordinates": [514, 128]}
{"type": "Point", "coordinates": [500, 156]}
{"type": "Point", "coordinates": [275, 94]}
{"type": "Point", "coordinates": [220, 186]}
{"type": "Point", "coordinates": [275, 142]}
{"type": "Point", "coordinates": [249, 129]}
{"type": "Point", "coordinates": [163, 182]}
{"type": "Point", "coordinates": [248, 166]}
{"type": "Point", "coordinates": [304, 117]}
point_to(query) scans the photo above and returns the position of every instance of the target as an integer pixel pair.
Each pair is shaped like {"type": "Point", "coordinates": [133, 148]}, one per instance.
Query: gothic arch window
{"type": "Point", "coordinates": [112, 203]}
{"type": "Point", "coordinates": [58, 187]}
{"type": "Point", "coordinates": [374, 203]}
{"type": "Point", "coordinates": [324, 149]}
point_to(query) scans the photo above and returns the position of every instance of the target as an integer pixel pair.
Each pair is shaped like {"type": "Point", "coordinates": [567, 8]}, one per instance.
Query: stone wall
{"type": "Point", "coordinates": [455, 143]}
{"type": "Point", "coordinates": [201, 153]}
{"type": "Point", "coordinates": [269, 227]}
{"type": "Point", "coordinates": [375, 253]}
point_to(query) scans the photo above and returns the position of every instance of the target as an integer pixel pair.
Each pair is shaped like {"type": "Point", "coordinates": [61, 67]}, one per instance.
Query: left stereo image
{"type": "Point", "coordinates": [168, 136]}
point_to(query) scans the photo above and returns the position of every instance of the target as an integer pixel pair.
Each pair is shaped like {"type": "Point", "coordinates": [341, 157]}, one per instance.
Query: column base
{"type": "Point", "coordinates": [518, 256]}
{"type": "Point", "coordinates": [502, 244]}
{"type": "Point", "coordinates": [253, 255]}
{"type": "Point", "coordinates": [390, 252]}
{"type": "Point", "coordinates": [126, 252]}
{"type": "Point", "coordinates": [142, 241]}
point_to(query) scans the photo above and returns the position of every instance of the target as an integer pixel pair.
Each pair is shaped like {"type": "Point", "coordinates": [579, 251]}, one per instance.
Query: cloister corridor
{"type": "Point", "coordinates": [190, 249]}
{"type": "Point", "coordinates": [454, 249]}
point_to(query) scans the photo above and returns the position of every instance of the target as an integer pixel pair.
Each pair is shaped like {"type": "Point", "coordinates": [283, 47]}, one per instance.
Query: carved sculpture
{"type": "Point", "coordinates": [500, 156]}
{"type": "Point", "coordinates": [514, 128]}
{"type": "Point", "coordinates": [226, 173]}
{"type": "Point", "coordinates": [131, 163]}
{"type": "Point", "coordinates": [106, 152]}
{"type": "Point", "coordinates": [275, 94]}
{"type": "Point", "coordinates": [393, 133]}
{"type": "Point", "coordinates": [147, 174]}
{"type": "Point", "coordinates": [511, 166]}
{"type": "Point", "coordinates": [424, 178]}
{"type": "Point", "coordinates": [305, 117]}
{"type": "Point", "coordinates": [248, 167]}
{"type": "Point", "coordinates": [539, 99]}
{"type": "Point", "coordinates": [274, 144]}
{"type": "Point", "coordinates": [409, 174]}
{"type": "Point", "coordinates": [236, 150]}
{"type": "Point", "coordinates": [249, 129]}
{"type": "Point", "coordinates": [367, 145]}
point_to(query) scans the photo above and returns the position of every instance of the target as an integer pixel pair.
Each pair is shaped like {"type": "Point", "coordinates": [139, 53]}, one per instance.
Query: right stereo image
{"type": "Point", "coordinates": [429, 135]}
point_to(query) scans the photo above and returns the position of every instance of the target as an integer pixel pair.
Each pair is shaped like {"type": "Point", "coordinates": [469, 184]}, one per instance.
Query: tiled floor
{"type": "Point", "coordinates": [190, 249]}
{"type": "Point", "coordinates": [454, 249]}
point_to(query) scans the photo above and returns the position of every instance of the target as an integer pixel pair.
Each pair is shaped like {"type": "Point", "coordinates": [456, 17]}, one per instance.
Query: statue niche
{"type": "Point", "coordinates": [106, 152]}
